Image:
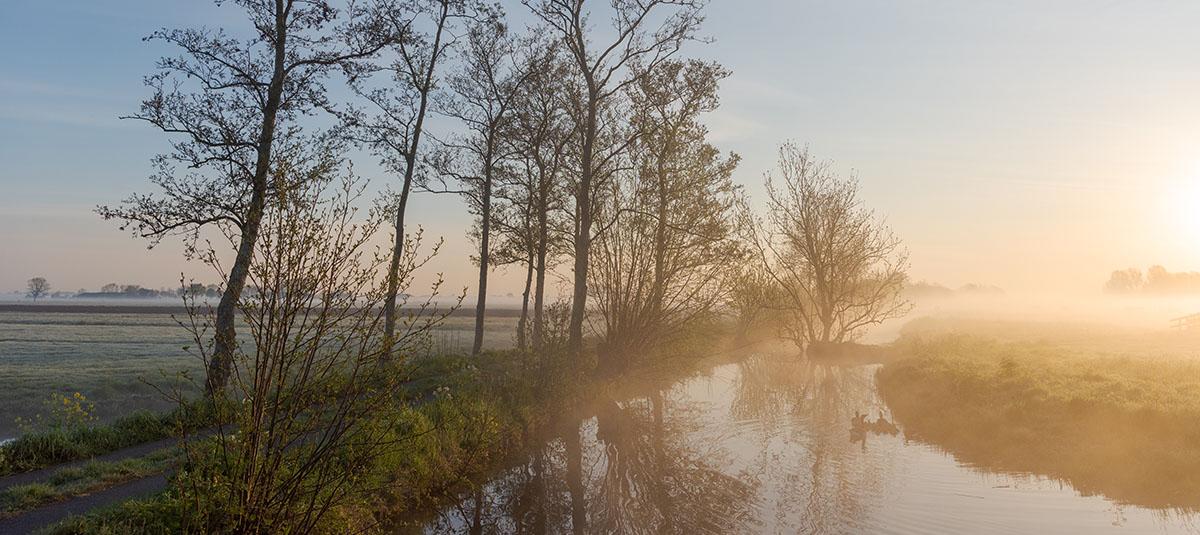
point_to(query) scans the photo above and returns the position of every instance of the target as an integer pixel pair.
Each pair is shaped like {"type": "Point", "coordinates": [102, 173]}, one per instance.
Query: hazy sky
{"type": "Point", "coordinates": [1031, 145]}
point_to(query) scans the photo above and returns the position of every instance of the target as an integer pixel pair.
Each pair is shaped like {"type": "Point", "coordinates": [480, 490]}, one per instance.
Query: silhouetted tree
{"type": "Point", "coordinates": [531, 221]}
{"type": "Point", "coordinates": [230, 105]}
{"type": "Point", "coordinates": [671, 256]}
{"type": "Point", "coordinates": [37, 287]}
{"type": "Point", "coordinates": [482, 98]}
{"type": "Point", "coordinates": [837, 268]}
{"type": "Point", "coordinates": [604, 70]}
{"type": "Point", "coordinates": [394, 132]}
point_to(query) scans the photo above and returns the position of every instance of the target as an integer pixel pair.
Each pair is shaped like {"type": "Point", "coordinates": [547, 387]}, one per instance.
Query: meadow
{"type": "Point", "coordinates": [119, 361]}
{"type": "Point", "coordinates": [1111, 411]}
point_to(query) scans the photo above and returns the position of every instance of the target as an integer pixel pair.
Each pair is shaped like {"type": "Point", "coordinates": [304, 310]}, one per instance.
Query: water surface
{"type": "Point", "coordinates": [765, 446]}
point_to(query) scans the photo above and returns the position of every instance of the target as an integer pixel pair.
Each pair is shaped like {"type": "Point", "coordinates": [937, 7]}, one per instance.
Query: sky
{"type": "Point", "coordinates": [1031, 145]}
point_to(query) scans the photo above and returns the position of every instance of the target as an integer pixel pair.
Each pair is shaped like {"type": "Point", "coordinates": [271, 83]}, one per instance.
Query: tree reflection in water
{"type": "Point", "coordinates": [761, 446]}
{"type": "Point", "coordinates": [636, 467]}
{"type": "Point", "coordinates": [807, 464]}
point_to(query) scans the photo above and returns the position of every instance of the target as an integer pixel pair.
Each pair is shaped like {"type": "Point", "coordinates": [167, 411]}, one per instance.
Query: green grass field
{"type": "Point", "coordinates": [120, 361]}
{"type": "Point", "coordinates": [1046, 399]}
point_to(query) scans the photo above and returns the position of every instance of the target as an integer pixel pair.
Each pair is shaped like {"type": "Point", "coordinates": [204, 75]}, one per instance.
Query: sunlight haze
{"type": "Point", "coordinates": [1028, 145]}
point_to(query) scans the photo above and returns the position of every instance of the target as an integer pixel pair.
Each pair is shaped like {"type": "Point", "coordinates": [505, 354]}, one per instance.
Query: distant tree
{"type": "Point", "coordinates": [1157, 278]}
{"type": "Point", "coordinates": [752, 299]}
{"type": "Point", "coordinates": [37, 287]}
{"type": "Point", "coordinates": [111, 288]}
{"type": "Point", "coordinates": [925, 290]}
{"type": "Point", "coordinates": [230, 106]}
{"type": "Point", "coordinates": [838, 269]}
{"type": "Point", "coordinates": [980, 289]}
{"type": "Point", "coordinates": [1157, 281]}
{"type": "Point", "coordinates": [631, 47]}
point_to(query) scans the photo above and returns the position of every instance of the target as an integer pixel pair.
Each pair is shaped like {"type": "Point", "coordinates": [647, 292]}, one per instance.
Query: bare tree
{"type": "Point", "coordinates": [482, 97]}
{"type": "Point", "coordinates": [605, 69]}
{"type": "Point", "coordinates": [394, 132]}
{"type": "Point", "coordinates": [670, 258]}
{"type": "Point", "coordinates": [320, 406]}
{"type": "Point", "coordinates": [37, 287]}
{"type": "Point", "coordinates": [752, 300]}
{"type": "Point", "coordinates": [533, 222]}
{"type": "Point", "coordinates": [228, 104]}
{"type": "Point", "coordinates": [838, 269]}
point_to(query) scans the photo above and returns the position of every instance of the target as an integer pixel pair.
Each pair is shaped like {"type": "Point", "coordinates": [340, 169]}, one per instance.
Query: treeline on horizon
{"type": "Point", "coordinates": [137, 291]}
{"type": "Point", "coordinates": [927, 289]}
{"type": "Point", "coordinates": [1156, 281]}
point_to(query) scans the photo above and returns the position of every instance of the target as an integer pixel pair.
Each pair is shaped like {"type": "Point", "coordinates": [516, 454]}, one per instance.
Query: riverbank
{"type": "Point", "coordinates": [472, 415]}
{"type": "Point", "coordinates": [1123, 423]}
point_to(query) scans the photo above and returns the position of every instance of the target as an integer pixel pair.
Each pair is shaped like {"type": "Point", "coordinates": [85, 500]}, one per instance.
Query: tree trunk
{"type": "Point", "coordinates": [393, 276]}
{"type": "Point", "coordinates": [523, 323]}
{"type": "Point", "coordinates": [220, 367]}
{"type": "Point", "coordinates": [539, 292]}
{"type": "Point", "coordinates": [484, 239]}
{"type": "Point", "coordinates": [583, 232]}
{"type": "Point", "coordinates": [659, 291]}
{"type": "Point", "coordinates": [410, 160]}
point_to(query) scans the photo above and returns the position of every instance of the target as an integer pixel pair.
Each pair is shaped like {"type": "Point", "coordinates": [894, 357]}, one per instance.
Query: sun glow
{"type": "Point", "coordinates": [1183, 206]}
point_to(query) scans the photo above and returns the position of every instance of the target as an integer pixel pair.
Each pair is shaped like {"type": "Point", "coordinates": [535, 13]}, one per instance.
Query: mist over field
{"type": "Point", "coordinates": [574, 266]}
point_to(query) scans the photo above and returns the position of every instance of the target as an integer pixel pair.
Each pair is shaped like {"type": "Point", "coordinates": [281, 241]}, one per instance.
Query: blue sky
{"type": "Point", "coordinates": [1020, 143]}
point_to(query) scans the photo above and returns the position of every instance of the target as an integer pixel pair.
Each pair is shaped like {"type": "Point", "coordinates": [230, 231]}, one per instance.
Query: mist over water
{"type": "Point", "coordinates": [764, 446]}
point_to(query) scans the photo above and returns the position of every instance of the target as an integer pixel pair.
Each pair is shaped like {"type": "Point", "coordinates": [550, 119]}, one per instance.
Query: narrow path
{"type": "Point", "coordinates": [51, 513]}
{"type": "Point", "coordinates": [35, 519]}
{"type": "Point", "coordinates": [139, 450]}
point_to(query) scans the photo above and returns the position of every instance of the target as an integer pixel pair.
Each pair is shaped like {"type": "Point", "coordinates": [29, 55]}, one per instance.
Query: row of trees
{"type": "Point", "coordinates": [39, 287]}
{"type": "Point", "coordinates": [1157, 280]}
{"type": "Point", "coordinates": [568, 144]}
{"type": "Point", "coordinates": [571, 145]}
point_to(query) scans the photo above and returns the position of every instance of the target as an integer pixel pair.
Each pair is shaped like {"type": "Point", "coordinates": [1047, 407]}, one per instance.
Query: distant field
{"type": "Point", "coordinates": [109, 353]}
{"type": "Point", "coordinates": [1112, 410]}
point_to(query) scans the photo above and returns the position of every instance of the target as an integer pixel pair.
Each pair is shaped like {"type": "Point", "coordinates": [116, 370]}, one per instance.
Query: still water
{"type": "Point", "coordinates": [765, 446]}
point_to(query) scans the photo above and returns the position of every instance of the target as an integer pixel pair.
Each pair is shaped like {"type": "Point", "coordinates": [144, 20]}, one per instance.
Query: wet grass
{"type": "Point", "coordinates": [123, 362]}
{"type": "Point", "coordinates": [48, 447]}
{"type": "Point", "coordinates": [1122, 424]}
{"type": "Point", "coordinates": [76, 481]}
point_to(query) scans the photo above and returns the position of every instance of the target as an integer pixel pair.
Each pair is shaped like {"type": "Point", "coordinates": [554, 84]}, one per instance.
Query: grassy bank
{"type": "Point", "coordinates": [1126, 425]}
{"type": "Point", "coordinates": [79, 480]}
{"type": "Point", "coordinates": [467, 417]}
{"type": "Point", "coordinates": [61, 443]}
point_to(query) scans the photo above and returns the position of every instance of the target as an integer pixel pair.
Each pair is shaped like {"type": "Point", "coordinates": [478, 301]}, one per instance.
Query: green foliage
{"type": "Point", "coordinates": [64, 443]}
{"type": "Point", "coordinates": [75, 481]}
{"type": "Point", "coordinates": [464, 417]}
{"type": "Point", "coordinates": [157, 514]}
